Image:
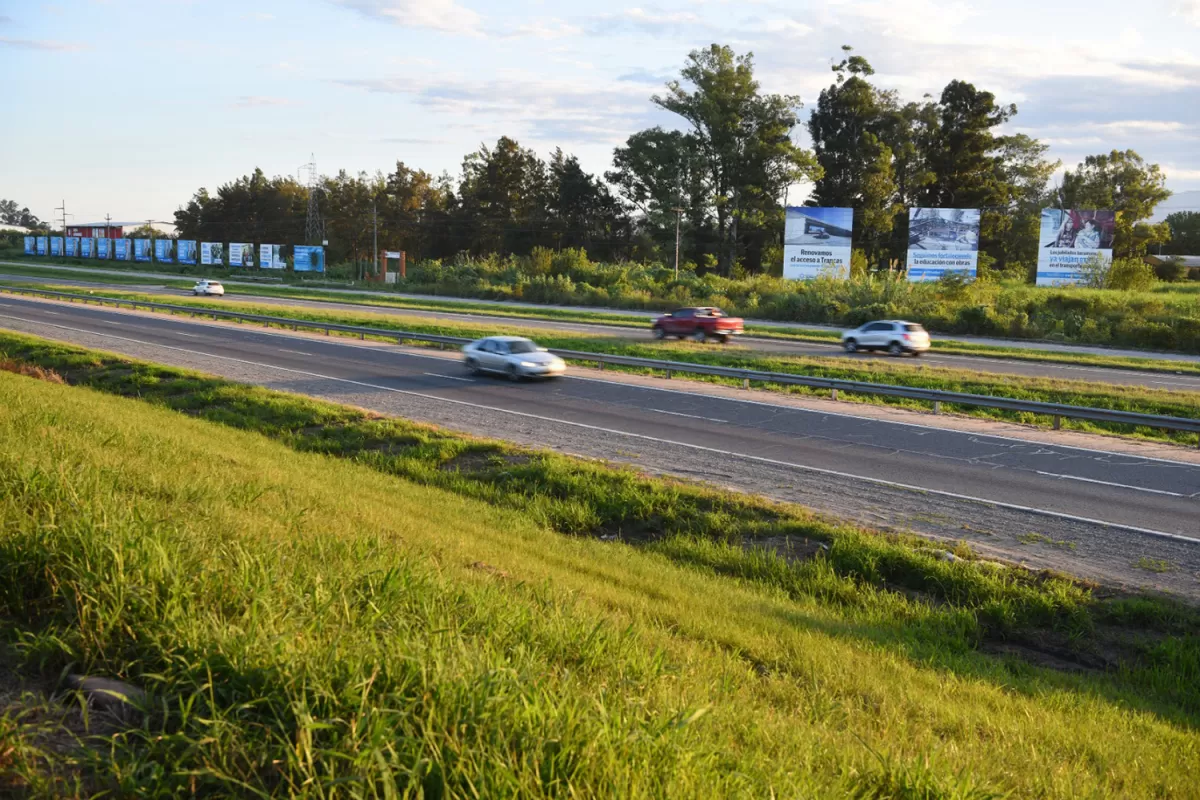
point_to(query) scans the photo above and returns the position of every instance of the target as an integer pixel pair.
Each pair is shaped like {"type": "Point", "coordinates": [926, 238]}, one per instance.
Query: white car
{"type": "Point", "coordinates": [208, 288]}
{"type": "Point", "coordinates": [512, 356]}
{"type": "Point", "coordinates": [896, 336]}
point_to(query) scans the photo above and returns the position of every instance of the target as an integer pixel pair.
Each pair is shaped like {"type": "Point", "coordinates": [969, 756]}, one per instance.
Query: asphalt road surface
{"type": "Point", "coordinates": [979, 364]}
{"type": "Point", "coordinates": [1156, 495]}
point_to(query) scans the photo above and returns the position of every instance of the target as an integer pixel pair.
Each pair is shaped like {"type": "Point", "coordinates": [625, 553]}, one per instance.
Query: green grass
{"type": "Point", "coordinates": [385, 299]}
{"type": "Point", "coordinates": [881, 371]}
{"type": "Point", "coordinates": [326, 602]}
{"type": "Point", "coordinates": [1157, 565]}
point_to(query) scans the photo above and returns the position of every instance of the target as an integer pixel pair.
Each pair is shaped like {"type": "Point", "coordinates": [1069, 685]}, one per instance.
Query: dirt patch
{"type": "Point", "coordinates": [472, 461]}
{"type": "Point", "coordinates": [30, 370]}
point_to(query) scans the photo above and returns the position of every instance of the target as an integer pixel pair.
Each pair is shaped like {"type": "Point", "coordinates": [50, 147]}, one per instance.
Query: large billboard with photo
{"type": "Point", "coordinates": [163, 253]}
{"type": "Point", "coordinates": [42, 244]}
{"type": "Point", "coordinates": [104, 248]}
{"type": "Point", "coordinates": [241, 254]}
{"type": "Point", "coordinates": [212, 254]}
{"type": "Point", "coordinates": [72, 246]}
{"type": "Point", "coordinates": [30, 245]}
{"type": "Point", "coordinates": [817, 241]}
{"type": "Point", "coordinates": [270, 256]}
{"type": "Point", "coordinates": [1070, 238]}
{"type": "Point", "coordinates": [942, 240]}
{"type": "Point", "coordinates": [141, 249]}
{"type": "Point", "coordinates": [308, 259]}
{"type": "Point", "coordinates": [85, 247]}
{"type": "Point", "coordinates": [185, 251]}
{"type": "Point", "coordinates": [56, 245]}
{"type": "Point", "coordinates": [121, 249]}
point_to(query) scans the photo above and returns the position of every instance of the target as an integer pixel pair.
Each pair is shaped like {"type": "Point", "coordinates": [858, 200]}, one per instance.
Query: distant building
{"type": "Point", "coordinates": [97, 230]}
{"type": "Point", "coordinates": [5, 227]}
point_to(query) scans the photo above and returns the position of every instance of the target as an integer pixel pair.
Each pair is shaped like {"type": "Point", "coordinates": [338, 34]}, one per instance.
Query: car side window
{"type": "Point", "coordinates": [486, 347]}
{"type": "Point", "coordinates": [683, 313]}
{"type": "Point", "coordinates": [501, 348]}
{"type": "Point", "coordinates": [876, 326]}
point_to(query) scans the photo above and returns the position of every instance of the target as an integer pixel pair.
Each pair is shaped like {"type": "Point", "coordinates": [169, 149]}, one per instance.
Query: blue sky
{"type": "Point", "coordinates": [128, 106]}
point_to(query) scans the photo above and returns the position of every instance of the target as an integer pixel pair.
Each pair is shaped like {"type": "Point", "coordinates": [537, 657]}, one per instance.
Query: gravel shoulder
{"type": "Point", "coordinates": [1096, 552]}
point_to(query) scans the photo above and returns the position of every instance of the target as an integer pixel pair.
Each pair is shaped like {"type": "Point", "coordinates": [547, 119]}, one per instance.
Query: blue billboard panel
{"type": "Point", "coordinates": [163, 252]}
{"type": "Point", "coordinates": [42, 245]}
{"type": "Point", "coordinates": [121, 249]}
{"type": "Point", "coordinates": [185, 251]}
{"type": "Point", "coordinates": [942, 240]}
{"type": "Point", "coordinates": [817, 242]}
{"type": "Point", "coordinates": [85, 248]}
{"type": "Point", "coordinates": [308, 259]}
{"type": "Point", "coordinates": [270, 256]}
{"type": "Point", "coordinates": [1074, 242]}
{"type": "Point", "coordinates": [72, 246]}
{"type": "Point", "coordinates": [104, 248]}
{"type": "Point", "coordinates": [141, 249]}
{"type": "Point", "coordinates": [56, 245]}
{"type": "Point", "coordinates": [30, 245]}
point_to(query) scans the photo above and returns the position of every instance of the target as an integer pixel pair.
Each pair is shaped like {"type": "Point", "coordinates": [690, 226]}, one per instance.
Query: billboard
{"type": "Point", "coordinates": [816, 241]}
{"type": "Point", "coordinates": [72, 243]}
{"type": "Point", "coordinates": [42, 244]}
{"type": "Point", "coordinates": [56, 245]}
{"type": "Point", "coordinates": [308, 259]}
{"type": "Point", "coordinates": [121, 249]}
{"type": "Point", "coordinates": [141, 249]}
{"type": "Point", "coordinates": [1070, 238]}
{"type": "Point", "coordinates": [85, 247]}
{"type": "Point", "coordinates": [942, 240]}
{"type": "Point", "coordinates": [162, 251]}
{"type": "Point", "coordinates": [104, 248]}
{"type": "Point", "coordinates": [212, 254]}
{"type": "Point", "coordinates": [185, 251]}
{"type": "Point", "coordinates": [30, 245]}
{"type": "Point", "coordinates": [241, 254]}
{"type": "Point", "coordinates": [270, 256]}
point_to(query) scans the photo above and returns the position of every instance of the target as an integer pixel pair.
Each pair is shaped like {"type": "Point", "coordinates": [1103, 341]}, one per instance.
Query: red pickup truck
{"type": "Point", "coordinates": [698, 323]}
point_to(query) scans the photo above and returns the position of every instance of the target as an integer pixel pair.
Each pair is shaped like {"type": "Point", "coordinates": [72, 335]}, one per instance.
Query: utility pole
{"type": "Point", "coordinates": [63, 211]}
{"type": "Point", "coordinates": [375, 226]}
{"type": "Point", "coordinates": [678, 215]}
{"type": "Point", "coordinates": [107, 226]}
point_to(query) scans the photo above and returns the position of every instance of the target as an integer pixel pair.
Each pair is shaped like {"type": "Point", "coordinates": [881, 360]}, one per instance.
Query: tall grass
{"type": "Point", "coordinates": [310, 626]}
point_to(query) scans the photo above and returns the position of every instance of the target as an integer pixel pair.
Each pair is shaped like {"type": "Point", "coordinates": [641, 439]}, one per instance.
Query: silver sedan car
{"type": "Point", "coordinates": [512, 356]}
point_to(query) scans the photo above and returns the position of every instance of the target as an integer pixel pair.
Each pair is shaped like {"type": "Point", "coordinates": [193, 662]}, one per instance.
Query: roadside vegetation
{"type": "Point", "coordinates": [322, 601]}
{"type": "Point", "coordinates": [899, 372]}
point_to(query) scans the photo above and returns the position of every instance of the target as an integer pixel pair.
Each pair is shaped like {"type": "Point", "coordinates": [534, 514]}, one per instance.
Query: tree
{"type": "Point", "coordinates": [848, 129]}
{"type": "Point", "coordinates": [10, 214]}
{"type": "Point", "coordinates": [1123, 182]}
{"type": "Point", "coordinates": [1185, 234]}
{"type": "Point", "coordinates": [252, 208]}
{"type": "Point", "coordinates": [583, 210]}
{"type": "Point", "coordinates": [1025, 175]}
{"type": "Point", "coordinates": [502, 198]}
{"type": "Point", "coordinates": [743, 137]}
{"type": "Point", "coordinates": [963, 153]}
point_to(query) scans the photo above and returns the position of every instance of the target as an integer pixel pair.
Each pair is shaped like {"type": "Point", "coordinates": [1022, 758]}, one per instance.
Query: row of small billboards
{"type": "Point", "coordinates": [178, 251]}
{"type": "Point", "coordinates": [817, 242]}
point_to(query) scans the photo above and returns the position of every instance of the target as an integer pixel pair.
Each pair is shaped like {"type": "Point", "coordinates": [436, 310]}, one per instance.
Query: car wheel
{"type": "Point", "coordinates": [723, 338]}
{"type": "Point", "coordinates": [514, 374]}
{"type": "Point", "coordinates": [916, 354]}
{"type": "Point", "coordinates": [659, 333]}
{"type": "Point", "coordinates": [894, 349]}
{"type": "Point", "coordinates": [850, 346]}
{"type": "Point", "coordinates": [472, 366]}
{"type": "Point", "coordinates": [699, 336]}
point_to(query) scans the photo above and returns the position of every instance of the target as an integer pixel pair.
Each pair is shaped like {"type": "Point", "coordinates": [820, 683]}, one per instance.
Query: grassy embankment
{"type": "Point", "coordinates": [326, 602]}
{"type": "Point", "coordinates": [881, 370]}
{"type": "Point", "coordinates": [1162, 319]}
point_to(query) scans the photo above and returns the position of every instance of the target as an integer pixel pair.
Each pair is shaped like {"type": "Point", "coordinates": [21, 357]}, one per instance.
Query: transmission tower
{"type": "Point", "coordinates": [314, 226]}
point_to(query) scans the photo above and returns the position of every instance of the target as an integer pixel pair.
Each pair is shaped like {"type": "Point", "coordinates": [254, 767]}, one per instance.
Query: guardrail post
{"type": "Point", "coordinates": [668, 374]}
{"type": "Point", "coordinates": [937, 406]}
{"type": "Point", "coordinates": [745, 383]}
{"type": "Point", "coordinates": [833, 393]}
{"type": "Point", "coordinates": [327, 331]}
{"type": "Point", "coordinates": [1057, 422]}
{"type": "Point", "coordinates": [362, 337]}
{"type": "Point", "coordinates": [600, 365]}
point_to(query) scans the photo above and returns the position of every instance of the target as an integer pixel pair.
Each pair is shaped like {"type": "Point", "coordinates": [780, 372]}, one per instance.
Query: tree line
{"type": "Point", "coordinates": [723, 176]}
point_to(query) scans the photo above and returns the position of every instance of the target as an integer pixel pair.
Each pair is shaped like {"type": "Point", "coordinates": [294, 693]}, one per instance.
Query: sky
{"type": "Point", "coordinates": [127, 107]}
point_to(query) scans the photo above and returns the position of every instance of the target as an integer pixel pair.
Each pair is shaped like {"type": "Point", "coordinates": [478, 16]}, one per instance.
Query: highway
{"type": "Point", "coordinates": [979, 364]}
{"type": "Point", "coordinates": [1084, 484]}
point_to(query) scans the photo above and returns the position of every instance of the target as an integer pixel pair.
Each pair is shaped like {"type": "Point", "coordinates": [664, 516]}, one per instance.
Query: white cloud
{"type": "Point", "coordinates": [546, 29]}
{"type": "Point", "coordinates": [439, 15]}
{"type": "Point", "coordinates": [41, 44]}
{"type": "Point", "coordinates": [260, 101]}
{"type": "Point", "coordinates": [1188, 9]}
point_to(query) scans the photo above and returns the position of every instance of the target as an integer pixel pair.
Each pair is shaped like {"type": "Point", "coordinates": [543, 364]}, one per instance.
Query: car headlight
{"type": "Point", "coordinates": [528, 364]}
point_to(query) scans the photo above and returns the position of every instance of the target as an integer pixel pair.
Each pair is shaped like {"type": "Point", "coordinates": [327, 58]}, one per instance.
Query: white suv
{"type": "Point", "coordinates": [208, 288]}
{"type": "Point", "coordinates": [896, 336]}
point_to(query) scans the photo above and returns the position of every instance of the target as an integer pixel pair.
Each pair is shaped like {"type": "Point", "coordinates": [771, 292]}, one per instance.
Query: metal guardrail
{"type": "Point", "coordinates": [936, 397]}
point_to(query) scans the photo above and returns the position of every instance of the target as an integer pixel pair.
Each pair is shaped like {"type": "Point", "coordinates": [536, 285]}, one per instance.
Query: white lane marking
{"type": "Point", "coordinates": [1110, 483]}
{"type": "Point", "coordinates": [451, 377]}
{"type": "Point", "coordinates": [410, 353]}
{"type": "Point", "coordinates": [294, 352]}
{"type": "Point", "coordinates": [689, 416]}
{"type": "Point", "coordinates": [181, 333]}
{"type": "Point", "coordinates": [109, 322]}
{"type": "Point", "coordinates": [759, 459]}
{"type": "Point", "coordinates": [53, 313]}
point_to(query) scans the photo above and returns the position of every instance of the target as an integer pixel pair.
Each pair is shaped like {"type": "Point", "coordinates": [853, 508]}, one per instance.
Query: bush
{"type": "Point", "coordinates": [1171, 270]}
{"type": "Point", "coordinates": [1130, 274]}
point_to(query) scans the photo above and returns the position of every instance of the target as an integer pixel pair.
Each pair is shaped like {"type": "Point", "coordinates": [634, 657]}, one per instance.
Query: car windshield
{"type": "Point", "coordinates": [914, 328]}
{"type": "Point", "coordinates": [716, 312]}
{"type": "Point", "coordinates": [523, 346]}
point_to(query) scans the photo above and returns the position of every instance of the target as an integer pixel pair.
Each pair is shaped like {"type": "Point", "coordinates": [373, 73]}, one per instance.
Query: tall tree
{"type": "Point", "coordinates": [11, 214]}
{"type": "Point", "coordinates": [1185, 234]}
{"type": "Point", "coordinates": [503, 197]}
{"type": "Point", "coordinates": [743, 136]}
{"type": "Point", "coordinates": [584, 212]}
{"type": "Point", "coordinates": [1025, 176]}
{"type": "Point", "coordinates": [1123, 181]}
{"type": "Point", "coordinates": [963, 151]}
{"type": "Point", "coordinates": [849, 127]}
